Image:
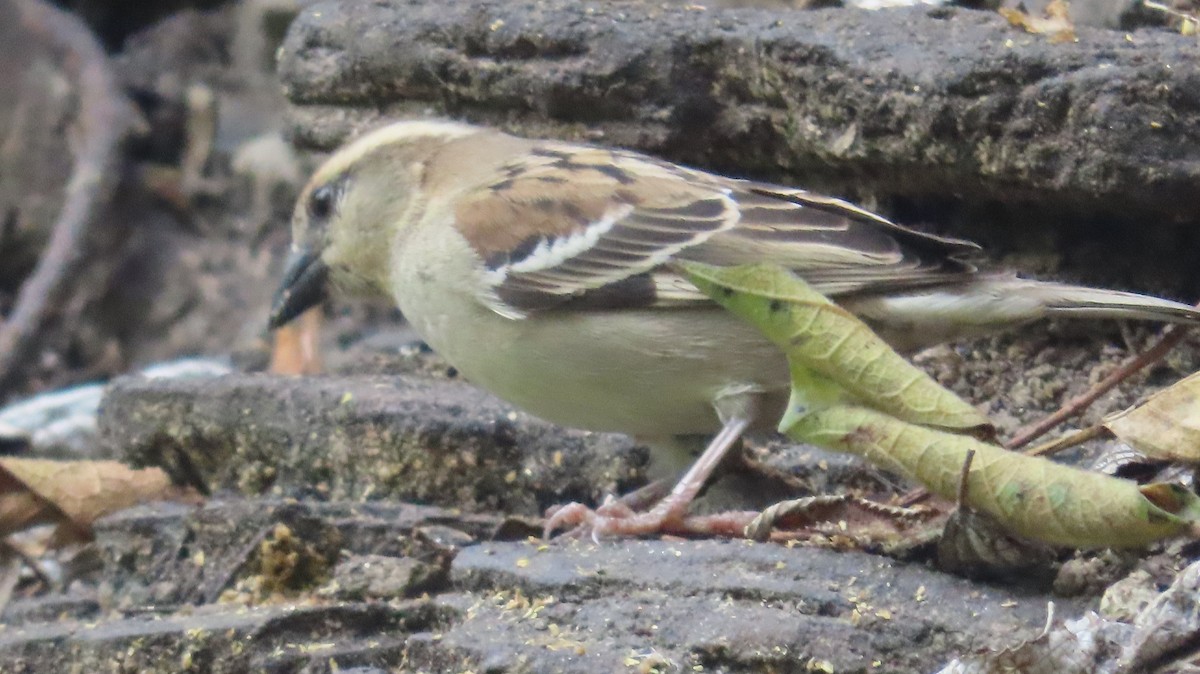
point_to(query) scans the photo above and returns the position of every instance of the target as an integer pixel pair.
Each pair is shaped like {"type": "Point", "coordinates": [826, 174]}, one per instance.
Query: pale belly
{"type": "Point", "coordinates": [606, 371]}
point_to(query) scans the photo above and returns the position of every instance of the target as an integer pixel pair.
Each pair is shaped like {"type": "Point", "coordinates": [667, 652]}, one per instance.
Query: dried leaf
{"type": "Point", "coordinates": [858, 521]}
{"type": "Point", "coordinates": [834, 357]}
{"type": "Point", "coordinates": [22, 508]}
{"type": "Point", "coordinates": [1167, 628]}
{"type": "Point", "coordinates": [76, 493]}
{"type": "Point", "coordinates": [1055, 21]}
{"type": "Point", "coordinates": [1167, 426]}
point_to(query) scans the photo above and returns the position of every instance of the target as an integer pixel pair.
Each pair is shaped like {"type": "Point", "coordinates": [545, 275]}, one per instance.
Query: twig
{"type": "Point", "coordinates": [103, 120]}
{"type": "Point", "coordinates": [1170, 338]}
{"type": "Point", "coordinates": [1069, 440]}
{"type": "Point", "coordinates": [964, 475]}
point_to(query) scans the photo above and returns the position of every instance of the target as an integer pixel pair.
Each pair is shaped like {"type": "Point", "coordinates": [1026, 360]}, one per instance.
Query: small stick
{"type": "Point", "coordinates": [1068, 440]}
{"type": "Point", "coordinates": [1170, 338]}
{"type": "Point", "coordinates": [963, 487]}
{"type": "Point", "coordinates": [103, 120]}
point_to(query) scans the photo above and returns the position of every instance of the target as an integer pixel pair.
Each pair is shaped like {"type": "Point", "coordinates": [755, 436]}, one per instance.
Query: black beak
{"type": "Point", "coordinates": [303, 286]}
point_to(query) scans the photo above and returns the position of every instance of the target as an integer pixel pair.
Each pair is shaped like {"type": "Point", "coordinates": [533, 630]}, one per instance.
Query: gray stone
{"type": "Point", "coordinates": [431, 441]}
{"type": "Point", "coordinates": [911, 102]}
{"type": "Point", "coordinates": [524, 606]}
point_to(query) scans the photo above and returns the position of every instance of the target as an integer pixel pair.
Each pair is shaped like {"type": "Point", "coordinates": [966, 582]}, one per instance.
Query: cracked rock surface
{"type": "Point", "coordinates": [902, 102]}
{"type": "Point", "coordinates": [182, 579]}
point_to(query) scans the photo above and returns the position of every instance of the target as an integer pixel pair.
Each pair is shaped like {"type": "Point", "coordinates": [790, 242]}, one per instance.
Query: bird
{"type": "Point", "coordinates": [547, 272]}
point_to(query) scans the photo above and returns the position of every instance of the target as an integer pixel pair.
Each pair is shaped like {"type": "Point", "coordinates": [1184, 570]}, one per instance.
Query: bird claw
{"type": "Point", "coordinates": [573, 515]}
{"type": "Point", "coordinates": [610, 518]}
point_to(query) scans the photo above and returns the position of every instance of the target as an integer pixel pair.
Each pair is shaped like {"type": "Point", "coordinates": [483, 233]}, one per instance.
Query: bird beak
{"type": "Point", "coordinates": [303, 286]}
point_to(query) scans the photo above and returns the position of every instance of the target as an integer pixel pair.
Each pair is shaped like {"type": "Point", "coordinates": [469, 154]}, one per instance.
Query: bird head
{"type": "Point", "coordinates": [350, 213]}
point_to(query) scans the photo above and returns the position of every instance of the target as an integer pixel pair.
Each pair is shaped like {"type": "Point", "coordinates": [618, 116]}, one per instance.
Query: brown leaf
{"type": "Point", "coordinates": [1055, 21]}
{"type": "Point", "coordinates": [76, 493]}
{"type": "Point", "coordinates": [858, 522]}
{"type": "Point", "coordinates": [1166, 426]}
{"type": "Point", "coordinates": [21, 507]}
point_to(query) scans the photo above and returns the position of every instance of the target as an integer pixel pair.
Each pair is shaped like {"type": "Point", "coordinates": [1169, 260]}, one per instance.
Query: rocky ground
{"type": "Point", "coordinates": [1074, 161]}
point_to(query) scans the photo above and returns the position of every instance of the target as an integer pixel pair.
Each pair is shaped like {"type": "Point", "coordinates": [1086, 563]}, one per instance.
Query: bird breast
{"type": "Point", "coordinates": [650, 372]}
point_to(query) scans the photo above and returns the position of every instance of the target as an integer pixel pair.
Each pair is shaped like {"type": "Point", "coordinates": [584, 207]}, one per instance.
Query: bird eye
{"type": "Point", "coordinates": [320, 202]}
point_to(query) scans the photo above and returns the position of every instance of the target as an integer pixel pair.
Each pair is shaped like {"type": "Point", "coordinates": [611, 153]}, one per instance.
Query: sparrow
{"type": "Point", "coordinates": [545, 272]}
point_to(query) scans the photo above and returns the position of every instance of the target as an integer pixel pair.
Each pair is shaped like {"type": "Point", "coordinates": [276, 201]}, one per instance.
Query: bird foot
{"type": "Point", "coordinates": [615, 519]}
{"type": "Point", "coordinates": [669, 515]}
{"type": "Point", "coordinates": [612, 519]}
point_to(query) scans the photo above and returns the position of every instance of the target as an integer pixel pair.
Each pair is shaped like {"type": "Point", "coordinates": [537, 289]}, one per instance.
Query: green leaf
{"type": "Point", "coordinates": [852, 392]}
{"type": "Point", "coordinates": [834, 357]}
{"type": "Point", "coordinates": [1032, 496]}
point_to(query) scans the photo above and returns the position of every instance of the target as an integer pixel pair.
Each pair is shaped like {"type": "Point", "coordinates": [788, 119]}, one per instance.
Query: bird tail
{"type": "Point", "coordinates": [988, 304]}
{"type": "Point", "coordinates": [1061, 299]}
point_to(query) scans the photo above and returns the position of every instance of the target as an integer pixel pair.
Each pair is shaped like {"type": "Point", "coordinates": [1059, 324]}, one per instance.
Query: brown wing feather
{"type": "Point", "coordinates": [836, 246]}
{"type": "Point", "coordinates": [567, 226]}
{"type": "Point", "coordinates": [593, 240]}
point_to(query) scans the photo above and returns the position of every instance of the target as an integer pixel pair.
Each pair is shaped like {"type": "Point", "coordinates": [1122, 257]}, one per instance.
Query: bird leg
{"type": "Point", "coordinates": [668, 515]}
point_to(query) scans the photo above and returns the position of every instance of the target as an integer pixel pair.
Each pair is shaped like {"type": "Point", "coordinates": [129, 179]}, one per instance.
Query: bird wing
{"type": "Point", "coordinates": [568, 226]}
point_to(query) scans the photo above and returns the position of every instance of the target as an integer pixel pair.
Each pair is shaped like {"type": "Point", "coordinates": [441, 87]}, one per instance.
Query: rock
{"type": "Point", "coordinates": [913, 102]}
{"type": "Point", "coordinates": [566, 607]}
{"type": "Point", "coordinates": [725, 606]}
{"type": "Point", "coordinates": [403, 438]}
{"type": "Point", "coordinates": [375, 577]}
{"type": "Point", "coordinates": [223, 639]}
{"type": "Point", "coordinates": [62, 424]}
